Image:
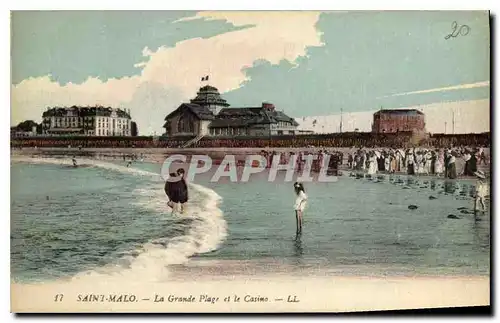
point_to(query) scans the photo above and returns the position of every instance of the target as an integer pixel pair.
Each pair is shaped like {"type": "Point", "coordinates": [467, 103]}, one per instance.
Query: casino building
{"type": "Point", "coordinates": [398, 120]}
{"type": "Point", "coordinates": [208, 114]}
{"type": "Point", "coordinates": [86, 121]}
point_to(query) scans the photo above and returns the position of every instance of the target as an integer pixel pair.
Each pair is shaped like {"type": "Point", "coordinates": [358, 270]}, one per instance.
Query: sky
{"type": "Point", "coordinates": [309, 64]}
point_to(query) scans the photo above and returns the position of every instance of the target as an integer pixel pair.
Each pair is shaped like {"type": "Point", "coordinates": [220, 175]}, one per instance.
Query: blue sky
{"type": "Point", "coordinates": [307, 64]}
{"type": "Point", "coordinates": [74, 45]}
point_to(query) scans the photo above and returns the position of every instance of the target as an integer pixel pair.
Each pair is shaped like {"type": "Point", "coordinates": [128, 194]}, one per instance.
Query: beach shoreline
{"type": "Point", "coordinates": [158, 155]}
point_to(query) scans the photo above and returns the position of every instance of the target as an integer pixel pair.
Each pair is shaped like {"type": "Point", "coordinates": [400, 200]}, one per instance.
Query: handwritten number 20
{"type": "Point", "coordinates": [462, 30]}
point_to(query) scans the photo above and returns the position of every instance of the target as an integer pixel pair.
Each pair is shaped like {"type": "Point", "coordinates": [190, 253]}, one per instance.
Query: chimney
{"type": "Point", "coordinates": [268, 106]}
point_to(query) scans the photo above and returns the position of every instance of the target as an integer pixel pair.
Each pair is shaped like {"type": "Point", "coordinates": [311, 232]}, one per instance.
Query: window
{"type": "Point", "coordinates": [185, 123]}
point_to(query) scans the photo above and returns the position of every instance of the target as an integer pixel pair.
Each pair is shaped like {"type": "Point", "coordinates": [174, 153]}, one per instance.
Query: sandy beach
{"type": "Point", "coordinates": [256, 294]}
{"type": "Point", "coordinates": [197, 289]}
{"type": "Point", "coordinates": [159, 154]}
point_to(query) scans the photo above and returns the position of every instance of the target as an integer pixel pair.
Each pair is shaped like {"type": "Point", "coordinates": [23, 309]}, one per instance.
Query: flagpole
{"type": "Point", "coordinates": [341, 120]}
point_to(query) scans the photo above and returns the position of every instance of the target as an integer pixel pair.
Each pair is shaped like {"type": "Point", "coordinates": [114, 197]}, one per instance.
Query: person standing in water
{"type": "Point", "coordinates": [75, 164]}
{"type": "Point", "coordinates": [480, 192]}
{"type": "Point", "coordinates": [183, 190]}
{"type": "Point", "coordinates": [177, 191]}
{"type": "Point", "coordinates": [300, 204]}
{"type": "Point", "coordinates": [171, 190]}
{"type": "Point", "coordinates": [452, 168]}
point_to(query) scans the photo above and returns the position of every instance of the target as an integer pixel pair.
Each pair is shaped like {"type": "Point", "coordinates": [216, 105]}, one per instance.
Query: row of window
{"type": "Point", "coordinates": [281, 132]}
{"type": "Point", "coordinates": [228, 131]}
{"type": "Point", "coordinates": [396, 129]}
{"type": "Point", "coordinates": [73, 122]}
{"type": "Point", "coordinates": [282, 124]}
{"type": "Point", "coordinates": [123, 127]}
{"type": "Point", "coordinates": [107, 132]}
{"type": "Point", "coordinates": [81, 119]}
{"type": "Point", "coordinates": [111, 129]}
{"type": "Point", "coordinates": [119, 126]}
{"type": "Point", "coordinates": [398, 117]}
{"type": "Point", "coordinates": [107, 119]}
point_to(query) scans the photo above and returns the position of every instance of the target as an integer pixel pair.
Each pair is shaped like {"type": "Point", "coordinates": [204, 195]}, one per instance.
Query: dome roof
{"type": "Point", "coordinates": [209, 88]}
{"type": "Point", "coordinates": [209, 95]}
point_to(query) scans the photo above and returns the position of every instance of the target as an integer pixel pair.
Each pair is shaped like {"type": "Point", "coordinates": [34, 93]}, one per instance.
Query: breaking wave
{"type": "Point", "coordinates": [204, 227]}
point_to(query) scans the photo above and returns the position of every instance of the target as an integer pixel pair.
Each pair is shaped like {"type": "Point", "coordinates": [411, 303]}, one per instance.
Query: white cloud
{"type": "Point", "coordinates": [172, 74]}
{"type": "Point", "coordinates": [32, 96]}
{"type": "Point", "coordinates": [444, 89]}
{"type": "Point", "coordinates": [470, 117]}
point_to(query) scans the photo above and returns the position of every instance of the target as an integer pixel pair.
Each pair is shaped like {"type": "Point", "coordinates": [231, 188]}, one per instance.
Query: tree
{"type": "Point", "coordinates": [133, 129]}
{"type": "Point", "coordinates": [27, 125]}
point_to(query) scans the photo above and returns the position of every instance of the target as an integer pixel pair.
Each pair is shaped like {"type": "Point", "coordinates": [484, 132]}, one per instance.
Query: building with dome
{"type": "Point", "coordinates": [208, 114]}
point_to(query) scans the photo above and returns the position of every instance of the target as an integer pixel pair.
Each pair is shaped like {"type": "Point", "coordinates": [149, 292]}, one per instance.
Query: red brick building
{"type": "Point", "coordinates": [391, 121]}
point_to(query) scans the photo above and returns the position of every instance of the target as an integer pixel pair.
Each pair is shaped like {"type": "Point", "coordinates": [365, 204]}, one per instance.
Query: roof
{"type": "Point", "coordinates": [208, 88]}
{"type": "Point", "coordinates": [399, 111]}
{"type": "Point", "coordinates": [241, 117]}
{"type": "Point", "coordinates": [85, 111]}
{"type": "Point", "coordinates": [281, 116]}
{"type": "Point", "coordinates": [201, 112]}
{"type": "Point", "coordinates": [209, 95]}
{"type": "Point", "coordinates": [240, 112]}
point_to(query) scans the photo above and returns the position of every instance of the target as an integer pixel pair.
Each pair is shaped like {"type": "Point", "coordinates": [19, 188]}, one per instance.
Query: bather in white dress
{"type": "Point", "coordinates": [301, 201]}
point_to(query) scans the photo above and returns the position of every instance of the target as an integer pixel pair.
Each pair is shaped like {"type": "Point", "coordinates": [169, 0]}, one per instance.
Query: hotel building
{"type": "Point", "coordinates": [86, 121]}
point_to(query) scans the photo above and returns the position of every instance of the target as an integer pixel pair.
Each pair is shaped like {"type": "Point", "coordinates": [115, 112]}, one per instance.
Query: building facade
{"type": "Point", "coordinates": [28, 128]}
{"type": "Point", "coordinates": [398, 120]}
{"type": "Point", "coordinates": [86, 121]}
{"type": "Point", "coordinates": [19, 133]}
{"type": "Point", "coordinates": [210, 115]}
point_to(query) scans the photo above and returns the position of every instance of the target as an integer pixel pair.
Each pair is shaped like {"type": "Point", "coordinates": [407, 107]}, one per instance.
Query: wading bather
{"type": "Point", "coordinates": [176, 190]}
{"type": "Point", "coordinates": [300, 204]}
{"type": "Point", "coordinates": [481, 190]}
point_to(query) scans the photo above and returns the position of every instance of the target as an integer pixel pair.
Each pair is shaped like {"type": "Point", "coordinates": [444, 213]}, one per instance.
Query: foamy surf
{"type": "Point", "coordinates": [150, 262]}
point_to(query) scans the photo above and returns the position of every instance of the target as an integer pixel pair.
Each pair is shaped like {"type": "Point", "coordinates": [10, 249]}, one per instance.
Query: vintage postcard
{"type": "Point", "coordinates": [249, 161]}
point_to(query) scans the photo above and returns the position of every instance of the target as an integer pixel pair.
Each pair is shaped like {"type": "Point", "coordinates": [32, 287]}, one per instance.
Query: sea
{"type": "Point", "coordinates": [104, 220]}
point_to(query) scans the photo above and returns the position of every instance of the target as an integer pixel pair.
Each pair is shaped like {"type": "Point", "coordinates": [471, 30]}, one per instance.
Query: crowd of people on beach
{"type": "Point", "coordinates": [318, 160]}
{"type": "Point", "coordinates": [412, 161]}
{"type": "Point", "coordinates": [415, 161]}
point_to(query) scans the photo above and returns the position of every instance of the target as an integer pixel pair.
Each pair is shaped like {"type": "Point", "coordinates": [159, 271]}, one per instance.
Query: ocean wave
{"type": "Point", "coordinates": [206, 227]}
